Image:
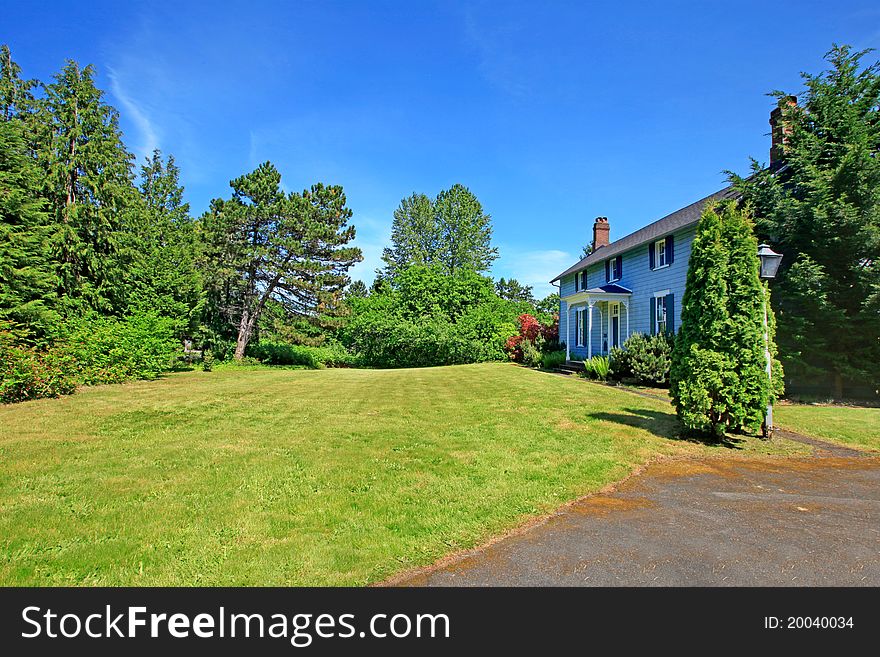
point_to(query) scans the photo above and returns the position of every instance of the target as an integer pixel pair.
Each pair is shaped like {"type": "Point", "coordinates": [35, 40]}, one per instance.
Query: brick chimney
{"type": "Point", "coordinates": [601, 231]}
{"type": "Point", "coordinates": [779, 130]}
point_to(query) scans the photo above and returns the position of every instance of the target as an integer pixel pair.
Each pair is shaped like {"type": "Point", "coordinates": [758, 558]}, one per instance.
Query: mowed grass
{"type": "Point", "coordinates": [850, 425]}
{"type": "Point", "coordinates": [302, 477]}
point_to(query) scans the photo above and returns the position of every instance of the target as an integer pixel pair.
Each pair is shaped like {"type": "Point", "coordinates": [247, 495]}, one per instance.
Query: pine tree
{"type": "Point", "coordinates": [89, 187]}
{"type": "Point", "coordinates": [702, 373]}
{"type": "Point", "coordinates": [27, 297]}
{"type": "Point", "coordinates": [262, 245]}
{"type": "Point", "coordinates": [16, 96]}
{"type": "Point", "coordinates": [162, 273]}
{"type": "Point", "coordinates": [821, 209]}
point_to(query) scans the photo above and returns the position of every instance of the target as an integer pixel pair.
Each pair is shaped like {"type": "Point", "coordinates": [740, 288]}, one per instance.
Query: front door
{"type": "Point", "coordinates": [614, 329]}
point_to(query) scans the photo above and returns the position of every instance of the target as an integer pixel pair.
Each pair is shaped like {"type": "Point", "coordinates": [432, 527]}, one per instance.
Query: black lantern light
{"type": "Point", "coordinates": [769, 261]}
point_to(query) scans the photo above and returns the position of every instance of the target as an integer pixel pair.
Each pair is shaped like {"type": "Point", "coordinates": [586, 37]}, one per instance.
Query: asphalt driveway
{"type": "Point", "coordinates": [720, 522]}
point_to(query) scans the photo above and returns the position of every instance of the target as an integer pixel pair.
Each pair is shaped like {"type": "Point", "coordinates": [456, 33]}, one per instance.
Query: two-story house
{"type": "Point", "coordinates": [634, 284]}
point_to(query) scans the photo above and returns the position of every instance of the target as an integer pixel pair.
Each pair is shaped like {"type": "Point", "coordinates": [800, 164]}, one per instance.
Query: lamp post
{"type": "Point", "coordinates": [769, 266]}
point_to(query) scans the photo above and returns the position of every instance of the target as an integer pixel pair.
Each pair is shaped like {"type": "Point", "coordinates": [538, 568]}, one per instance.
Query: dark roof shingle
{"type": "Point", "coordinates": [679, 219]}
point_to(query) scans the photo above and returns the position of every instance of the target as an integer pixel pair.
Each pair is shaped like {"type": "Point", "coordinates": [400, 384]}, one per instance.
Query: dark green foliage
{"type": "Point", "coordinates": [717, 374]}
{"type": "Point", "coordinates": [161, 248]}
{"type": "Point", "coordinates": [89, 187]}
{"type": "Point", "coordinates": [822, 211]}
{"type": "Point", "coordinates": [263, 245]}
{"type": "Point", "coordinates": [553, 359]}
{"type": "Point", "coordinates": [16, 96]}
{"type": "Point", "coordinates": [278, 353]}
{"type": "Point", "coordinates": [451, 233]}
{"type": "Point", "coordinates": [27, 289]}
{"type": "Point", "coordinates": [513, 290]}
{"type": "Point", "coordinates": [28, 374]}
{"type": "Point", "coordinates": [207, 361]}
{"type": "Point", "coordinates": [357, 289]}
{"type": "Point", "coordinates": [644, 359]}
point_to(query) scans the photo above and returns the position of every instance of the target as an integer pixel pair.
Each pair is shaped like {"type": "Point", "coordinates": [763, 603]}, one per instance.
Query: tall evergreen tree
{"type": "Point", "coordinates": [718, 377]}
{"type": "Point", "coordinates": [821, 209]}
{"type": "Point", "coordinates": [744, 339]}
{"type": "Point", "coordinates": [162, 247]}
{"type": "Point", "coordinates": [89, 187]}
{"type": "Point", "coordinates": [27, 297]}
{"type": "Point", "coordinates": [16, 95]}
{"type": "Point", "coordinates": [263, 245]}
{"type": "Point", "coordinates": [701, 373]}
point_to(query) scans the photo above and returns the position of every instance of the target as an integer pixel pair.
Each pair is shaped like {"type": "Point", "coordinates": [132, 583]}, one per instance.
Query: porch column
{"type": "Point", "coordinates": [590, 330]}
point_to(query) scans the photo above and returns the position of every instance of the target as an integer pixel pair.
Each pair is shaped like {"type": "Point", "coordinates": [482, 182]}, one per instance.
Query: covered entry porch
{"type": "Point", "coordinates": [597, 319]}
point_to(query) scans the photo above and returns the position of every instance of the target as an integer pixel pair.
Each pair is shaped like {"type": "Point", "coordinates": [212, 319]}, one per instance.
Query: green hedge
{"type": "Point", "coordinates": [112, 350]}
{"type": "Point", "coordinates": [279, 353]}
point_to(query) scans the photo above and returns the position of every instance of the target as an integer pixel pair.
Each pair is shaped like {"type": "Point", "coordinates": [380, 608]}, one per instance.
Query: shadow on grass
{"type": "Point", "coordinates": [664, 425]}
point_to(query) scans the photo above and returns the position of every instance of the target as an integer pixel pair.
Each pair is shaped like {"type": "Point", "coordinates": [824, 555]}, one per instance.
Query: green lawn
{"type": "Point", "coordinates": [846, 424]}
{"type": "Point", "coordinates": [278, 477]}
{"type": "Point", "coordinates": [850, 425]}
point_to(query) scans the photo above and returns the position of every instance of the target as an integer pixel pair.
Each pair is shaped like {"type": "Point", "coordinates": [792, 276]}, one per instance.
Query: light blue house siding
{"type": "Point", "coordinates": [645, 284]}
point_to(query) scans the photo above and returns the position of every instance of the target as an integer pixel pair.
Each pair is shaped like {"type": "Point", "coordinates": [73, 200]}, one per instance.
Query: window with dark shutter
{"type": "Point", "coordinates": [618, 274]}
{"type": "Point", "coordinates": [651, 255]}
{"type": "Point", "coordinates": [670, 313]}
{"type": "Point", "coordinates": [653, 313]}
{"type": "Point", "coordinates": [670, 249]}
{"type": "Point", "coordinates": [607, 270]}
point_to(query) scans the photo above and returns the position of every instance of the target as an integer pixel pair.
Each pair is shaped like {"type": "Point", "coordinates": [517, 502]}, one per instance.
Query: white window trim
{"type": "Point", "coordinates": [578, 327]}
{"type": "Point", "coordinates": [660, 295]}
{"type": "Point", "coordinates": [657, 255]}
{"type": "Point", "coordinates": [611, 269]}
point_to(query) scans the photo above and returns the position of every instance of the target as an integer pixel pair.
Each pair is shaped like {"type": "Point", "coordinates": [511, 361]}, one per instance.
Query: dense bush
{"type": "Point", "coordinates": [540, 337]}
{"type": "Point", "coordinates": [27, 374]}
{"type": "Point", "coordinates": [111, 350]}
{"type": "Point", "coordinates": [278, 353]}
{"type": "Point", "coordinates": [644, 359]}
{"type": "Point", "coordinates": [392, 342]}
{"type": "Point", "coordinates": [553, 359]}
{"type": "Point", "coordinates": [427, 318]}
{"type": "Point", "coordinates": [531, 354]}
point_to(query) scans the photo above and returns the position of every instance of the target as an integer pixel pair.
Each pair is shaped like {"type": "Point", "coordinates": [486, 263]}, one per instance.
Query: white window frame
{"type": "Point", "coordinates": [579, 327]}
{"type": "Point", "coordinates": [660, 250]}
{"type": "Point", "coordinates": [613, 271]}
{"type": "Point", "coordinates": [657, 297]}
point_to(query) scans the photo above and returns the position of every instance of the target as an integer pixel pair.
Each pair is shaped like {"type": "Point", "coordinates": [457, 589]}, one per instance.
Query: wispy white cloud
{"type": "Point", "coordinates": [149, 138]}
{"type": "Point", "coordinates": [532, 267]}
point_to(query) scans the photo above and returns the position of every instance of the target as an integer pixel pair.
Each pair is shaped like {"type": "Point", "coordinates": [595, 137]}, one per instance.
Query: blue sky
{"type": "Point", "coordinates": [552, 113]}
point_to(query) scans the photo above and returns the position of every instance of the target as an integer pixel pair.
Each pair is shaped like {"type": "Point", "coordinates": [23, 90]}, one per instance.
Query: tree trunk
{"type": "Point", "coordinates": [838, 386]}
{"type": "Point", "coordinates": [244, 335]}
